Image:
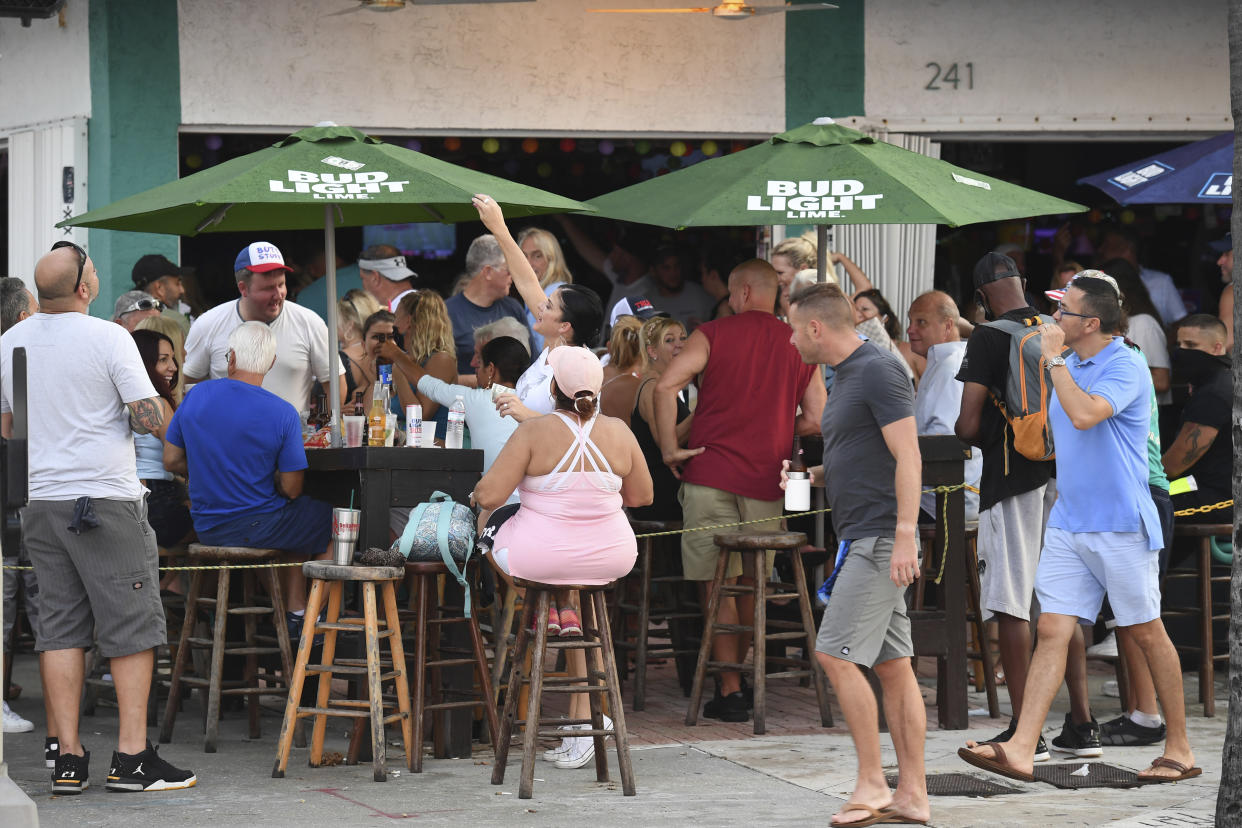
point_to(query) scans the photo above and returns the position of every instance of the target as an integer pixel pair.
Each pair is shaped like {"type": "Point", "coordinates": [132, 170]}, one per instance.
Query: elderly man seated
{"type": "Point", "coordinates": [241, 447]}
{"type": "Point", "coordinates": [933, 334]}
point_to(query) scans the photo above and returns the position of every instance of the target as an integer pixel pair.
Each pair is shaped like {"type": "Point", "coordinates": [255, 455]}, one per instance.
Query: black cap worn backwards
{"type": "Point", "coordinates": [993, 267]}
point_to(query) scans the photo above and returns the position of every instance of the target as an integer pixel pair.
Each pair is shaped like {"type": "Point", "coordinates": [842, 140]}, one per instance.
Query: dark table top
{"type": "Point", "coordinates": [395, 457]}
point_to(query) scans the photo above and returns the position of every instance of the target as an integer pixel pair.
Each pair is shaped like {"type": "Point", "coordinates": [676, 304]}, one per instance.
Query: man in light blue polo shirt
{"type": "Point", "coordinates": [1104, 533]}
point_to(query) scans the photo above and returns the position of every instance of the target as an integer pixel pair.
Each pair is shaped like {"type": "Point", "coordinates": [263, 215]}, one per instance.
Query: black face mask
{"type": "Point", "coordinates": [1194, 366]}
{"type": "Point", "coordinates": [982, 301]}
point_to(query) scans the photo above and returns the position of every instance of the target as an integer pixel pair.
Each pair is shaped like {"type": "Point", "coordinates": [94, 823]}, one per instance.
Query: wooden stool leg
{"type": "Point", "coordinates": [595, 677]}
{"type": "Point", "coordinates": [507, 719]}
{"type": "Point", "coordinates": [324, 687]}
{"type": "Point", "coordinates": [986, 665]}
{"type": "Point", "coordinates": [485, 684]}
{"type": "Point", "coordinates": [644, 622]}
{"type": "Point", "coordinates": [217, 661]}
{"type": "Point", "coordinates": [250, 624]}
{"type": "Point", "coordinates": [388, 591]}
{"type": "Point", "coordinates": [1207, 664]}
{"type": "Point", "coordinates": [619, 732]}
{"type": "Point", "coordinates": [530, 739]}
{"type": "Point", "coordinates": [375, 693]}
{"type": "Point", "coordinates": [705, 647]}
{"type": "Point", "coordinates": [297, 677]}
{"type": "Point", "coordinates": [279, 613]}
{"type": "Point", "coordinates": [808, 623]}
{"type": "Point", "coordinates": [759, 660]}
{"type": "Point", "coordinates": [183, 655]}
{"type": "Point", "coordinates": [501, 642]}
{"type": "Point", "coordinates": [422, 584]}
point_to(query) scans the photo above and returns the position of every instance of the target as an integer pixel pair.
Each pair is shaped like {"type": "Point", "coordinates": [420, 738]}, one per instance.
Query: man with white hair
{"type": "Point", "coordinates": [485, 299]}
{"type": "Point", "coordinates": [244, 444]}
{"type": "Point", "coordinates": [302, 351]}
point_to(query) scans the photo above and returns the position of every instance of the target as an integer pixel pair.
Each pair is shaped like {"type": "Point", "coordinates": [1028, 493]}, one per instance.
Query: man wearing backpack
{"type": "Point", "coordinates": [1012, 487]}
{"type": "Point", "coordinates": [1104, 533]}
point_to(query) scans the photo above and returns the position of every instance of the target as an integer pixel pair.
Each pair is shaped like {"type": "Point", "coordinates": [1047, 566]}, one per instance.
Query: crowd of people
{"type": "Point", "coordinates": [678, 400]}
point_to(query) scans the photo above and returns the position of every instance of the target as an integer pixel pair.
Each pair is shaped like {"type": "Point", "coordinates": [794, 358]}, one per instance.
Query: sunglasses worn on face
{"type": "Point", "coordinates": [81, 260]}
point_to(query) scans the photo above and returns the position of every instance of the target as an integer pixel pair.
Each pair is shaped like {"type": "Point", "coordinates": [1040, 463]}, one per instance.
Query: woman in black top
{"type": "Point", "coordinates": [662, 339]}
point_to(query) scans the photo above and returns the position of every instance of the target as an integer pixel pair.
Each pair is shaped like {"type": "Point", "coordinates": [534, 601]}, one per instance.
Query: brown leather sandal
{"type": "Point", "coordinates": [1165, 762]}
{"type": "Point", "coordinates": [995, 764]}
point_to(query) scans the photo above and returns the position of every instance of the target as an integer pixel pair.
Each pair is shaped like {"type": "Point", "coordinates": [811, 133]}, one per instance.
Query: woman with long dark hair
{"type": "Point", "coordinates": [167, 511]}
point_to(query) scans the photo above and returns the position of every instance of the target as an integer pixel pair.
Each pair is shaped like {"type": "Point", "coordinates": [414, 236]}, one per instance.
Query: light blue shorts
{"type": "Point", "coordinates": [1076, 570]}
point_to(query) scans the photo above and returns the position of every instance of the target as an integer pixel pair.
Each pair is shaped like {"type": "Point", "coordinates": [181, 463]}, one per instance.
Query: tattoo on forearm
{"type": "Point", "coordinates": [1193, 450]}
{"type": "Point", "coordinates": [146, 416]}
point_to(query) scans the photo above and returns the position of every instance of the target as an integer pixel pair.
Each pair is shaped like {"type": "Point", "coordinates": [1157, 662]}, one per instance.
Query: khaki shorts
{"type": "Point", "coordinates": [705, 506]}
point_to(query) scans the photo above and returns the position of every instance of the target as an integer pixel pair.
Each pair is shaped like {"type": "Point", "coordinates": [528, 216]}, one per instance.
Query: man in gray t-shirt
{"type": "Point", "coordinates": [872, 471]}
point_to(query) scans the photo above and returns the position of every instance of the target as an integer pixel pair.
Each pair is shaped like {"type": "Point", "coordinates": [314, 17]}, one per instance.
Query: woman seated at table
{"type": "Point", "coordinates": [167, 509]}
{"type": "Point", "coordinates": [574, 470]}
{"type": "Point", "coordinates": [572, 315]}
{"type": "Point", "coordinates": [625, 358]}
{"type": "Point", "coordinates": [429, 345]}
{"type": "Point", "coordinates": [352, 312]}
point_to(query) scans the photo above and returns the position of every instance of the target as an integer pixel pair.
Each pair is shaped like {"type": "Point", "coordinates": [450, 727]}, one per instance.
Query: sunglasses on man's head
{"type": "Point", "coordinates": [144, 304]}
{"type": "Point", "coordinates": [81, 260]}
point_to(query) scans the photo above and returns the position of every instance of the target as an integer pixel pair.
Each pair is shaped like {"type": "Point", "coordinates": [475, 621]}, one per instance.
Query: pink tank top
{"type": "Point", "coordinates": [571, 528]}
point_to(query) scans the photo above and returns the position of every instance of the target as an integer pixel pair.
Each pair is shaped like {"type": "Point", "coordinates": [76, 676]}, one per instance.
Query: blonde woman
{"type": "Point", "coordinates": [169, 328]}
{"type": "Point", "coordinates": [352, 311]}
{"type": "Point", "coordinates": [662, 339]}
{"type": "Point", "coordinates": [430, 344]}
{"type": "Point", "coordinates": [625, 363]}
{"type": "Point", "coordinates": [544, 253]}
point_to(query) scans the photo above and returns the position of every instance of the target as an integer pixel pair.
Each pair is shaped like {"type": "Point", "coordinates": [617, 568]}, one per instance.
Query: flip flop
{"type": "Point", "coordinates": [902, 819]}
{"type": "Point", "coordinates": [997, 764]}
{"type": "Point", "coordinates": [878, 815]}
{"type": "Point", "coordinates": [1165, 762]}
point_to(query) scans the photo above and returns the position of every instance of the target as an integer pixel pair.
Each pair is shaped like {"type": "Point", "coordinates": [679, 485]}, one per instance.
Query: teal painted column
{"type": "Point", "coordinates": [135, 111]}
{"type": "Point", "coordinates": [824, 63]}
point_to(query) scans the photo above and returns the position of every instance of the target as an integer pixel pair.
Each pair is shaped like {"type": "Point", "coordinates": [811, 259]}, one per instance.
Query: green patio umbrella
{"type": "Point", "coordinates": [325, 176]}
{"type": "Point", "coordinates": [823, 173]}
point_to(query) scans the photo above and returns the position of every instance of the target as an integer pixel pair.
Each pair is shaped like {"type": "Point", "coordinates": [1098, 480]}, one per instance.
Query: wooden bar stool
{"type": "Point", "coordinates": [596, 638]}
{"type": "Point", "coordinates": [981, 654]}
{"type": "Point", "coordinates": [253, 645]}
{"type": "Point", "coordinates": [327, 580]}
{"type": "Point", "coordinates": [430, 616]}
{"type": "Point", "coordinates": [669, 608]}
{"type": "Point", "coordinates": [1207, 609]}
{"type": "Point", "coordinates": [753, 548]}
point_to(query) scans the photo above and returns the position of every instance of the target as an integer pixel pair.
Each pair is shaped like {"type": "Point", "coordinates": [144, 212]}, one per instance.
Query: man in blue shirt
{"type": "Point", "coordinates": [1104, 533]}
{"type": "Point", "coordinates": [241, 447]}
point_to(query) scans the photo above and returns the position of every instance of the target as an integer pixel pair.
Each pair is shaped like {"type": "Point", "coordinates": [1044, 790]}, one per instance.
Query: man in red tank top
{"type": "Point", "coordinates": [752, 385]}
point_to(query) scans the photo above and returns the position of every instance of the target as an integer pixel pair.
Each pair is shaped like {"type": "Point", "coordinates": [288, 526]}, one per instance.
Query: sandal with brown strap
{"type": "Point", "coordinates": [1183, 772]}
{"type": "Point", "coordinates": [878, 815]}
{"type": "Point", "coordinates": [997, 763]}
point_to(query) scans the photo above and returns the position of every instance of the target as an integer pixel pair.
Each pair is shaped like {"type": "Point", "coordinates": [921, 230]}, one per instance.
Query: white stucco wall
{"type": "Point", "coordinates": [45, 69]}
{"type": "Point", "coordinates": [1054, 65]}
{"type": "Point", "coordinates": [523, 67]}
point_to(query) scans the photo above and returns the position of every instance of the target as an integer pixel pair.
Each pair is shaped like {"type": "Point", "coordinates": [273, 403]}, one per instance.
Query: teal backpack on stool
{"type": "Point", "coordinates": [441, 530]}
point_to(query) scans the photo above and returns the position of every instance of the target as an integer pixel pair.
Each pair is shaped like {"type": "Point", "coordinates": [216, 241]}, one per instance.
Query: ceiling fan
{"type": "Point", "coordinates": [396, 5]}
{"type": "Point", "coordinates": [728, 10]}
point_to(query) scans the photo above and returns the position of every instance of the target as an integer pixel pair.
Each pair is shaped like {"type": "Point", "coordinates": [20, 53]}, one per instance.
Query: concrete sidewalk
{"type": "Point", "coordinates": [781, 778]}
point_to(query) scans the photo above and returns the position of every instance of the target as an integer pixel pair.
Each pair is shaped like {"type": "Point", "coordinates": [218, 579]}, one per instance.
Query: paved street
{"type": "Point", "coordinates": [712, 774]}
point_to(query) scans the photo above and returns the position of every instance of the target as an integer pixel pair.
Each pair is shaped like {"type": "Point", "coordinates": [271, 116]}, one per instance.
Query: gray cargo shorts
{"type": "Point", "coordinates": [100, 585]}
{"type": "Point", "coordinates": [865, 621]}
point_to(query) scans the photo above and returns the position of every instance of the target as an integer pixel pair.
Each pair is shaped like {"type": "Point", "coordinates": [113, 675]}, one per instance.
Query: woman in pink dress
{"type": "Point", "coordinates": [574, 469]}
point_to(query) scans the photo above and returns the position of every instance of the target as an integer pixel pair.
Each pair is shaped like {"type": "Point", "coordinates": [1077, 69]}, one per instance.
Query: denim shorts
{"type": "Point", "coordinates": [302, 526]}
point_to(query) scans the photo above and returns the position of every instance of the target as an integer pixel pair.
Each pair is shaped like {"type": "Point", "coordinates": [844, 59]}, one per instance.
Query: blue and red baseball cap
{"type": "Point", "coordinates": [260, 257]}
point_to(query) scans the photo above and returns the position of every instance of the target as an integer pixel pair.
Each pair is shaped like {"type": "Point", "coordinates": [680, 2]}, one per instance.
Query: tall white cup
{"type": "Point", "coordinates": [345, 523]}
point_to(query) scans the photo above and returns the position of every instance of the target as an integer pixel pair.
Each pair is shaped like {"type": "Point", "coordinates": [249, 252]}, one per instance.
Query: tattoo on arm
{"type": "Point", "coordinates": [146, 416]}
{"type": "Point", "coordinates": [1193, 450]}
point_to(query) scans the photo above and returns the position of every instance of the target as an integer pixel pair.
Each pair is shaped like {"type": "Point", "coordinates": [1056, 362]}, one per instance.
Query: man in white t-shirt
{"type": "Point", "coordinates": [385, 276]}
{"type": "Point", "coordinates": [86, 524]}
{"type": "Point", "coordinates": [303, 354]}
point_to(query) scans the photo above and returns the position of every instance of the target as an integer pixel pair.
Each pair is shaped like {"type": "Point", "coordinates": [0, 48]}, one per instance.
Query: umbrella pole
{"type": "Point", "coordinates": [334, 360]}
{"type": "Point", "coordinates": [821, 252]}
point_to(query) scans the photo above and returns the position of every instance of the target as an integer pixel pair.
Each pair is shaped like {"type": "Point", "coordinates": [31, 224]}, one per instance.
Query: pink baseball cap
{"type": "Point", "coordinates": [576, 369]}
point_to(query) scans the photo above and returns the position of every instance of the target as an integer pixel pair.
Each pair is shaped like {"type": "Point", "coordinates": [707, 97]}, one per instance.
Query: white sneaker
{"type": "Point", "coordinates": [1111, 690]}
{"type": "Point", "coordinates": [1107, 647]}
{"type": "Point", "coordinates": [13, 723]}
{"type": "Point", "coordinates": [581, 751]}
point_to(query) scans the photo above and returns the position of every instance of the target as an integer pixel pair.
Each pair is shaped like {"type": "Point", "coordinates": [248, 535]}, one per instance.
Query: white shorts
{"type": "Point", "coordinates": [1076, 570]}
{"type": "Point", "coordinates": [1010, 534]}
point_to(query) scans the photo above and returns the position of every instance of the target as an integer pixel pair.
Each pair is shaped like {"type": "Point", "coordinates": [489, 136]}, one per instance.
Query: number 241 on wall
{"type": "Point", "coordinates": [950, 75]}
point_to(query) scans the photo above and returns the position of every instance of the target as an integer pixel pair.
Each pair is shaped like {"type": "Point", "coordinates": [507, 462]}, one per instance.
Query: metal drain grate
{"type": "Point", "coordinates": [1099, 775]}
{"type": "Point", "coordinates": [960, 784]}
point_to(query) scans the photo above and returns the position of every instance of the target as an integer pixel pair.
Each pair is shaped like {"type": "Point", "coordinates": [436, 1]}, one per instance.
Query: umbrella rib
{"type": "Point", "coordinates": [433, 212]}
{"type": "Point", "coordinates": [216, 217]}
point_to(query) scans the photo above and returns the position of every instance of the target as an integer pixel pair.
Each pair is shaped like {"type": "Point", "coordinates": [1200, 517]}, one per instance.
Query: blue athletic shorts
{"type": "Point", "coordinates": [301, 527]}
{"type": "Point", "coordinates": [1077, 569]}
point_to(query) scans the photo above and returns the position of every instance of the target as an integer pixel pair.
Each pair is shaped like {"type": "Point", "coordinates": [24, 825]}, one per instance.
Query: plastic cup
{"type": "Point", "coordinates": [355, 427]}
{"type": "Point", "coordinates": [429, 434]}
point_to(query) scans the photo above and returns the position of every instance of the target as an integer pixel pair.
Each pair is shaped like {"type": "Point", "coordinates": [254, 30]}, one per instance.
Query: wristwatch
{"type": "Point", "coordinates": [1055, 361]}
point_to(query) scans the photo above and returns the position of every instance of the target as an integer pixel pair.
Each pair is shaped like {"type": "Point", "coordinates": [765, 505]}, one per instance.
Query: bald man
{"type": "Point", "coordinates": [86, 525]}
{"type": "Point", "coordinates": [753, 382]}
{"type": "Point", "coordinates": [933, 334]}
